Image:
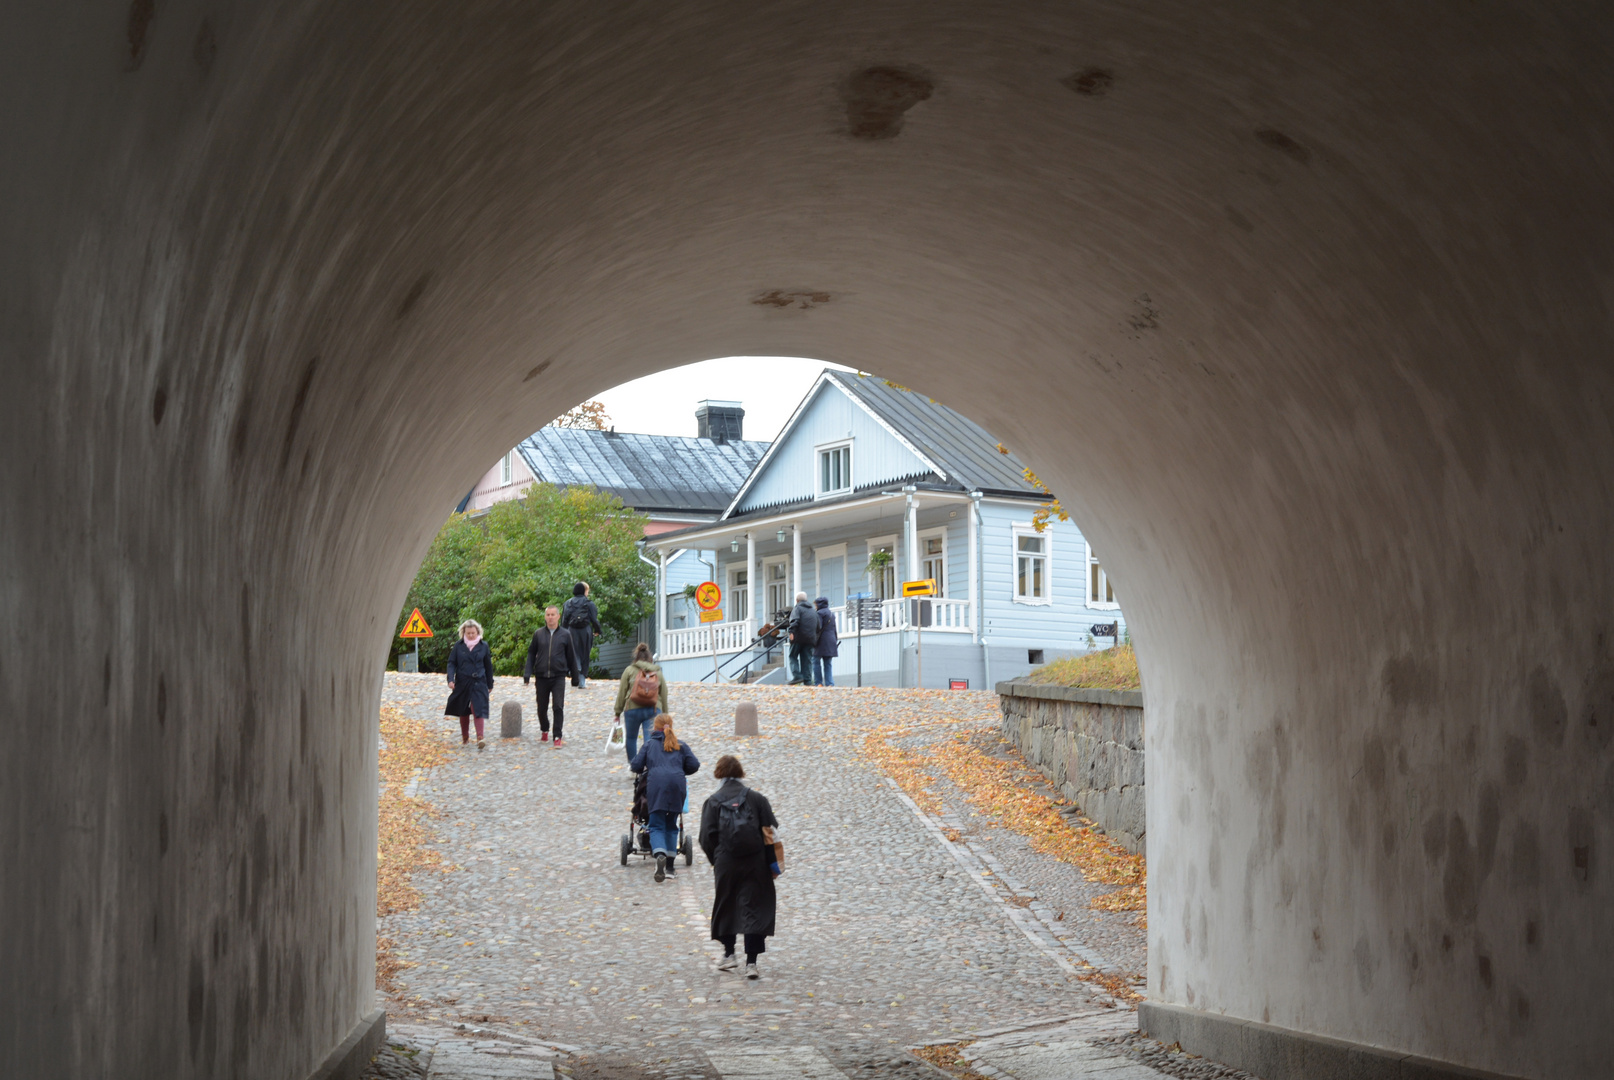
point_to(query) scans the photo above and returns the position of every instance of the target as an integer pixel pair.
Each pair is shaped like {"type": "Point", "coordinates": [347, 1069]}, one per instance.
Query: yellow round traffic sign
{"type": "Point", "coordinates": [708, 595]}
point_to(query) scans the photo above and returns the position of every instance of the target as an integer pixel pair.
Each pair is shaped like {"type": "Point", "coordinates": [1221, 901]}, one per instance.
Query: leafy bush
{"type": "Point", "coordinates": [503, 568]}
{"type": "Point", "coordinates": [1107, 669]}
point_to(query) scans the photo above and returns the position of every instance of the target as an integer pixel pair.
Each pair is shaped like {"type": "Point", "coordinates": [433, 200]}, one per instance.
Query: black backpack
{"type": "Point", "coordinates": [738, 833]}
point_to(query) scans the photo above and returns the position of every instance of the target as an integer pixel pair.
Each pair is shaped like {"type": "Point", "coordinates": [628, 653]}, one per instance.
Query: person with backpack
{"type": "Point", "coordinates": [667, 764]}
{"type": "Point", "coordinates": [744, 864]}
{"type": "Point", "coordinates": [582, 620]}
{"type": "Point", "coordinates": [829, 644]}
{"type": "Point", "coordinates": [803, 637]}
{"type": "Point", "coordinates": [551, 657]}
{"type": "Point", "coordinates": [641, 695]}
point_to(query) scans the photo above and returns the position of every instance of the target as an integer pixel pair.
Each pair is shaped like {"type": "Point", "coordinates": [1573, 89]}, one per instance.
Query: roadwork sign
{"type": "Point", "coordinates": [416, 626]}
{"type": "Point", "coordinates": [707, 596]}
{"type": "Point", "coordinates": [922, 587]}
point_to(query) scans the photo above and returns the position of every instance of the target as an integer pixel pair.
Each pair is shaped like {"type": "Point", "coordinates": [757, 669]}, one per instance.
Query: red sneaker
{"type": "Point", "coordinates": [558, 744]}
{"type": "Point", "coordinates": [544, 737]}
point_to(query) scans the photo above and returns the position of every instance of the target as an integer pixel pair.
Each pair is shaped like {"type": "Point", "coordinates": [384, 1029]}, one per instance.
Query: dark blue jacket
{"type": "Point", "coordinates": [665, 788]}
{"type": "Point", "coordinates": [829, 639]}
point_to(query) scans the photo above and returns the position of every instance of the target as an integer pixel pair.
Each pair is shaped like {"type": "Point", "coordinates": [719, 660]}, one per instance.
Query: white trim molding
{"type": "Point", "coordinates": [1024, 529]}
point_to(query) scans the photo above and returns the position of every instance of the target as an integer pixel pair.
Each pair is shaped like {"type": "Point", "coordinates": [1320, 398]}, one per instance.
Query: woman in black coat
{"type": "Point", "coordinates": [470, 681]}
{"type": "Point", "coordinates": [743, 865]}
{"type": "Point", "coordinates": [582, 620]}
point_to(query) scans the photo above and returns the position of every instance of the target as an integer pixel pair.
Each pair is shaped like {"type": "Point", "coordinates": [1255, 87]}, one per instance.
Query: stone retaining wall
{"type": "Point", "coordinates": [1090, 744]}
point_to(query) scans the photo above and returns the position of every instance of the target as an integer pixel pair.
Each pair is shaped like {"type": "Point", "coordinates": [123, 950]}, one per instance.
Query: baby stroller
{"type": "Point", "coordinates": [636, 841]}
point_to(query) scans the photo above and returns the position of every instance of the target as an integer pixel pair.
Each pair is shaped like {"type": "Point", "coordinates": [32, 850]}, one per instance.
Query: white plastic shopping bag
{"type": "Point", "coordinates": [617, 736]}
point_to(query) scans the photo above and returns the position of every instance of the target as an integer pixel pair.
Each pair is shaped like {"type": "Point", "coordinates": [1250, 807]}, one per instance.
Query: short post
{"type": "Point", "coordinates": [745, 718]}
{"type": "Point", "coordinates": [510, 720]}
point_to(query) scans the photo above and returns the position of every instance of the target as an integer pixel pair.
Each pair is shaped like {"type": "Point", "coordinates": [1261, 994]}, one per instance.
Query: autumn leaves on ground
{"type": "Point", "coordinates": [404, 830]}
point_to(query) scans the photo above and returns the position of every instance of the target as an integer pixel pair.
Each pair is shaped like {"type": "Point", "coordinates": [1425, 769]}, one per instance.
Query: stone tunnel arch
{"type": "Point", "coordinates": [1318, 298]}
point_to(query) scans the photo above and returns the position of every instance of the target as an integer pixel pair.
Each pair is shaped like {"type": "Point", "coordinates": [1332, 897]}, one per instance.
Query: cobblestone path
{"type": "Point", "coordinates": [889, 936]}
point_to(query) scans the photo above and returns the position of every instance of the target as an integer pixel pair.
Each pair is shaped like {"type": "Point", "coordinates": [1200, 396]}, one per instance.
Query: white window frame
{"type": "Point", "coordinates": [768, 583]}
{"type": "Point", "coordinates": [1104, 578]}
{"type": "Point", "coordinates": [818, 467]}
{"type": "Point", "coordinates": [1016, 531]}
{"type": "Point", "coordinates": [506, 469]}
{"type": "Point", "coordinates": [931, 534]}
{"type": "Point", "coordinates": [871, 545]}
{"type": "Point", "coordinates": [736, 591]}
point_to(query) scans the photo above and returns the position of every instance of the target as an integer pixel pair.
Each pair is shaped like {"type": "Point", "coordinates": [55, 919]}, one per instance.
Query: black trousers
{"type": "Point", "coordinates": [755, 945]}
{"type": "Point", "coordinates": [547, 686]}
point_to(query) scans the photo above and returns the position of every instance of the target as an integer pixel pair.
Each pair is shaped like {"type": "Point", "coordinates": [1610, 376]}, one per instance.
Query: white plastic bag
{"type": "Point", "coordinates": [617, 736]}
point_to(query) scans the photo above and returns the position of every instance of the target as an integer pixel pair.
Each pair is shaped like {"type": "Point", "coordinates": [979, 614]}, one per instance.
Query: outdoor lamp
{"type": "Point", "coordinates": [734, 545]}
{"type": "Point", "coordinates": [781, 534]}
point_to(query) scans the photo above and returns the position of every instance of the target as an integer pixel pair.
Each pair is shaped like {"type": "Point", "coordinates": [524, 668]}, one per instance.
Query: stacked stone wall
{"type": "Point", "coordinates": [1089, 743]}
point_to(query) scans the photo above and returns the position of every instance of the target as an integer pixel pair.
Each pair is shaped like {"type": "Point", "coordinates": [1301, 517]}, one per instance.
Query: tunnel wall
{"type": "Point", "coordinates": [1313, 301]}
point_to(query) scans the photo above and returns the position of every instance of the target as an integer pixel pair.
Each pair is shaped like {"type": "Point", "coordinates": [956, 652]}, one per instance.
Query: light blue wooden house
{"type": "Point", "coordinates": [870, 485]}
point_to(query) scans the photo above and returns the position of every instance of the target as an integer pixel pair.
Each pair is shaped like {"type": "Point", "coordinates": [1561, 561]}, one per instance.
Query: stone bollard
{"type": "Point", "coordinates": [510, 720]}
{"type": "Point", "coordinates": [745, 718]}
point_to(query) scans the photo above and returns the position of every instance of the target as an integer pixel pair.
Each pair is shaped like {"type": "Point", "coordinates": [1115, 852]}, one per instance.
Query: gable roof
{"type": "Point", "coordinates": [962, 454]}
{"type": "Point", "coordinates": [669, 473]}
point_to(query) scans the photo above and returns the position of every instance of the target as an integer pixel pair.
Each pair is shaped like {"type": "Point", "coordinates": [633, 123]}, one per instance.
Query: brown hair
{"type": "Point", "coordinates": [641, 651]}
{"type": "Point", "coordinates": [728, 767]}
{"type": "Point", "coordinates": [664, 724]}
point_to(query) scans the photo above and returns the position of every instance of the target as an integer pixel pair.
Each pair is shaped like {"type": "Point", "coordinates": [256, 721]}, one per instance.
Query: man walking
{"type": "Point", "coordinates": [803, 637]}
{"type": "Point", "coordinates": [551, 661]}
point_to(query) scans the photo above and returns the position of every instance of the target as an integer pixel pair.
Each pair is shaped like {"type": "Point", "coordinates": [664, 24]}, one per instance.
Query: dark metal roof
{"type": "Point", "coordinates": [669, 473]}
{"type": "Point", "coordinates": [956, 444]}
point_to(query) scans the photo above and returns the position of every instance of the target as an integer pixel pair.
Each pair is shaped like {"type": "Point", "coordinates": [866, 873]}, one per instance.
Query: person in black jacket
{"type": "Point", "coordinates": [470, 681]}
{"type": "Point", "coordinates": [803, 637]}
{"type": "Point", "coordinates": [829, 644]}
{"type": "Point", "coordinates": [582, 620]}
{"type": "Point", "coordinates": [551, 660]}
{"type": "Point", "coordinates": [743, 865]}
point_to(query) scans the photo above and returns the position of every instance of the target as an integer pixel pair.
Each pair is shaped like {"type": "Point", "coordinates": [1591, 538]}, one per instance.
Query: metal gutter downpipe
{"type": "Point", "coordinates": [655, 629]}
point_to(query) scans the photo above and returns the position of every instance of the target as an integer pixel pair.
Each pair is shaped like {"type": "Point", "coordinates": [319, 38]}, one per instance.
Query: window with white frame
{"type": "Point", "coordinates": [834, 469]}
{"type": "Point", "coordinates": [739, 595]}
{"type": "Point", "coordinates": [504, 468]}
{"type": "Point", "coordinates": [1100, 593]}
{"type": "Point", "coordinates": [780, 598]}
{"type": "Point", "coordinates": [882, 567]}
{"type": "Point", "coordinates": [933, 559]}
{"type": "Point", "coordinates": [1032, 558]}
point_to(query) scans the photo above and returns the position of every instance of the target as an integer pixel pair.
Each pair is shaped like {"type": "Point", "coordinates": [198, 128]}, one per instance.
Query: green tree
{"type": "Point", "coordinates": [505, 567]}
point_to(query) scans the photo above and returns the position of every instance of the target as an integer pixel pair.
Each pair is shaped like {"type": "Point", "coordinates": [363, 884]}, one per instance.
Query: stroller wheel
{"type": "Point", "coordinates": [627, 847]}
{"type": "Point", "coordinates": [689, 850]}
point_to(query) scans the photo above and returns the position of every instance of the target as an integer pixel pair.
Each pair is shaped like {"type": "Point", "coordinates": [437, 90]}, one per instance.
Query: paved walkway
{"type": "Point", "coordinates": [889, 935]}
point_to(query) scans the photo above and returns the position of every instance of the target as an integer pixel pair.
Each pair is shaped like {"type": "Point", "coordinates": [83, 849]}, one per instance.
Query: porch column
{"type": "Point", "coordinates": [753, 583]}
{"type": "Point", "coordinates": [661, 598]}
{"type": "Point", "coordinates": [795, 561]}
{"type": "Point", "coordinates": [975, 569]}
{"type": "Point", "coordinates": [911, 573]}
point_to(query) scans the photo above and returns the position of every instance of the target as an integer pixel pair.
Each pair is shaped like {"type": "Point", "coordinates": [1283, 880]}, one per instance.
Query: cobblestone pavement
{"type": "Point", "coordinates": [888, 935]}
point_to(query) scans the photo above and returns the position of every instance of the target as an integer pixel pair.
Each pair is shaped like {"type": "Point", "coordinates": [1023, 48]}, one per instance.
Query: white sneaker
{"type": "Point", "coordinates": [751, 972]}
{"type": "Point", "coordinates": [729, 962]}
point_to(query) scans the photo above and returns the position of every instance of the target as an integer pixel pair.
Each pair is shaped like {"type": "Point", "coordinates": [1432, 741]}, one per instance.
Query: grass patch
{"type": "Point", "coordinates": [1108, 669]}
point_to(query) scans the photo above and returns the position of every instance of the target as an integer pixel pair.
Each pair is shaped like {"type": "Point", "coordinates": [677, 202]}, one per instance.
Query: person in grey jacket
{"type": "Point", "coordinates": [581, 619]}
{"type": "Point", "coordinates": [551, 660]}
{"type": "Point", "coordinates": [803, 636]}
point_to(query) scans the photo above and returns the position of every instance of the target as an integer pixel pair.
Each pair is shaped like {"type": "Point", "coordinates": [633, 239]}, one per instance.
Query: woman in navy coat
{"type": "Point", "coordinates": [666, 789]}
{"type": "Point", "coordinates": [470, 680]}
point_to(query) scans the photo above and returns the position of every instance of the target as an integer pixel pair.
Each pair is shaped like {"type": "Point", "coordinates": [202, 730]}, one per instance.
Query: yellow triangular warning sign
{"type": "Point", "coordinates": [416, 626]}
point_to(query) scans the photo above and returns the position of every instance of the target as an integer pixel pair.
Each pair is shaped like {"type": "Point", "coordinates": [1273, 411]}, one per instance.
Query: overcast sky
{"type": "Point", "coordinates": [769, 387]}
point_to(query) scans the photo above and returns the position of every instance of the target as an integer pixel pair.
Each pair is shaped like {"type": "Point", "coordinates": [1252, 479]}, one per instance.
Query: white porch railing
{"type": "Point", "coordinates": [948, 615]}
{"type": "Point", "coordinates": [697, 640]}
